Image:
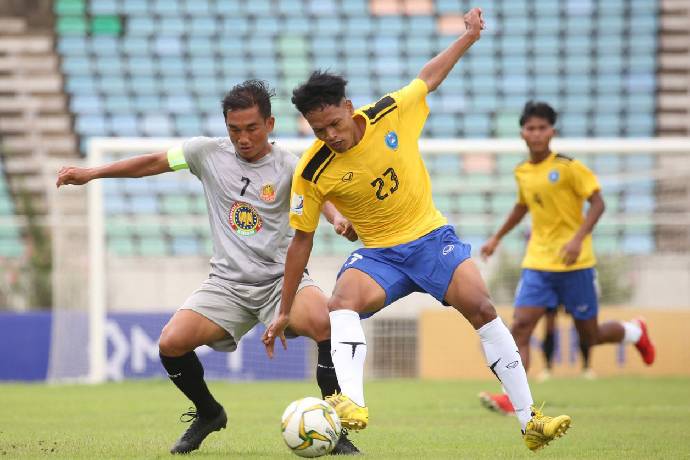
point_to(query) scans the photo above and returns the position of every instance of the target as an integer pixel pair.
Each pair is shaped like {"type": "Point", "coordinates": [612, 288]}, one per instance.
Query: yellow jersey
{"type": "Point", "coordinates": [381, 184]}
{"type": "Point", "coordinates": [554, 191]}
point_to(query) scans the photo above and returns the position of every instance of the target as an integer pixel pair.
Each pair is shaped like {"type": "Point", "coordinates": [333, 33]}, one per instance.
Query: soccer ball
{"type": "Point", "coordinates": [310, 427]}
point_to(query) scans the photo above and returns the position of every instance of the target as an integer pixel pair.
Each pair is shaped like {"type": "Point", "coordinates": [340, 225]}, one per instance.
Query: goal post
{"type": "Point", "coordinates": [479, 168]}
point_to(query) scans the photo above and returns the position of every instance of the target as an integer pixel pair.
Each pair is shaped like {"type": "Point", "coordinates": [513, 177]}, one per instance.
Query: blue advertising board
{"type": "Point", "coordinates": [132, 344]}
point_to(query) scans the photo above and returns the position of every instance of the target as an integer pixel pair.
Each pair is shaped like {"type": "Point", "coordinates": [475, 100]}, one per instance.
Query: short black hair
{"type": "Point", "coordinates": [249, 94]}
{"type": "Point", "coordinates": [321, 89]}
{"type": "Point", "coordinates": [539, 110]}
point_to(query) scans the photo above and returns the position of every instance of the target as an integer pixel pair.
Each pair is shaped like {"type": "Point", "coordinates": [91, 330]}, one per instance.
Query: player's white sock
{"type": "Point", "coordinates": [348, 350]}
{"type": "Point", "coordinates": [504, 360]}
{"type": "Point", "coordinates": [633, 331]}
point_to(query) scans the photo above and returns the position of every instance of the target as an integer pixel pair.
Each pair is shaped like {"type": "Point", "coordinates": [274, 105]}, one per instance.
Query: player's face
{"type": "Point", "coordinates": [334, 125]}
{"type": "Point", "coordinates": [537, 133]}
{"type": "Point", "coordinates": [249, 131]}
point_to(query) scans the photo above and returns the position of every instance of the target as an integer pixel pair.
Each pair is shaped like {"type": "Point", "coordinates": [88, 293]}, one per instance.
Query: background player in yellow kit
{"type": "Point", "coordinates": [558, 268]}
{"type": "Point", "coordinates": [367, 163]}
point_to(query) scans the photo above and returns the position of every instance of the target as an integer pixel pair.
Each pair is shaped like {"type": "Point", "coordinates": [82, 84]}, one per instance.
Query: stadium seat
{"type": "Point", "coordinates": [105, 25]}
{"type": "Point", "coordinates": [152, 246]}
{"type": "Point", "coordinates": [71, 25]}
{"type": "Point", "coordinates": [104, 7]}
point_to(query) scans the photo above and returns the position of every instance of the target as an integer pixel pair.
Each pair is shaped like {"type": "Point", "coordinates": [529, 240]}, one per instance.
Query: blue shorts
{"type": "Point", "coordinates": [575, 290]}
{"type": "Point", "coordinates": [426, 265]}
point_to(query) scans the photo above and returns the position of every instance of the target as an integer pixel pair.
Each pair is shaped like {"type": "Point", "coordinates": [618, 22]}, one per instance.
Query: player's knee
{"type": "Point", "coordinates": [172, 344]}
{"type": "Point", "coordinates": [521, 329]}
{"type": "Point", "coordinates": [339, 302]}
{"type": "Point", "coordinates": [483, 313]}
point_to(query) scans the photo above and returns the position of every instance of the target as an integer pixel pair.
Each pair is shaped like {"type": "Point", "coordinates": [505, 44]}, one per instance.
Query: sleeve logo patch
{"type": "Point", "coordinates": [297, 204]}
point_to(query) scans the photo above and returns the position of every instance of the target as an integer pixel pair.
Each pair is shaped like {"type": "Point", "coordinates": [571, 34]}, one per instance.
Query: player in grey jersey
{"type": "Point", "coordinates": [247, 183]}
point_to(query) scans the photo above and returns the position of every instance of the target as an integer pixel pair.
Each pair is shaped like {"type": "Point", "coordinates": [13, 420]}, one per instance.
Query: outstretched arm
{"type": "Point", "coordinates": [139, 166]}
{"type": "Point", "coordinates": [514, 218]}
{"type": "Point", "coordinates": [295, 262]}
{"type": "Point", "coordinates": [437, 69]}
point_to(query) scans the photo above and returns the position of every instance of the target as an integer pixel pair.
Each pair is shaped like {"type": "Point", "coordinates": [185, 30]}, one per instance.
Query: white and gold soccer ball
{"type": "Point", "coordinates": [310, 427]}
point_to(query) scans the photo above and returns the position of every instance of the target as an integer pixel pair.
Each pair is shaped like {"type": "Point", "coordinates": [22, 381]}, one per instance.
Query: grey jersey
{"type": "Point", "coordinates": [248, 205]}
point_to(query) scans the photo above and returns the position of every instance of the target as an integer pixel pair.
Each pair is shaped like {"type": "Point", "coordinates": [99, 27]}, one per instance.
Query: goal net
{"type": "Point", "coordinates": [147, 245]}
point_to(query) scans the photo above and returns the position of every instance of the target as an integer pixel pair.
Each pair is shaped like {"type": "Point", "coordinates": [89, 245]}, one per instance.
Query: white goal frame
{"type": "Point", "coordinates": [99, 147]}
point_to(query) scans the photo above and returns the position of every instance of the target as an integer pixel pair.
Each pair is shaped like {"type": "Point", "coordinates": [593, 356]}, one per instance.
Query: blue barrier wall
{"type": "Point", "coordinates": [132, 343]}
{"type": "Point", "coordinates": [24, 345]}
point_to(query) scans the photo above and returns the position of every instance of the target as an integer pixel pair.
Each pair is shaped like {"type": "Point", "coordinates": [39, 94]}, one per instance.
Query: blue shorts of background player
{"type": "Point", "coordinates": [576, 290]}
{"type": "Point", "coordinates": [426, 265]}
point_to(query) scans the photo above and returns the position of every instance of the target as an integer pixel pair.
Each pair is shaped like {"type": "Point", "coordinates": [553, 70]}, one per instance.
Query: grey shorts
{"type": "Point", "coordinates": [237, 308]}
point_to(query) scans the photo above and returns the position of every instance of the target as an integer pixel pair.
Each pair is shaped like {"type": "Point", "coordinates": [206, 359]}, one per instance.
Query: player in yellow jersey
{"type": "Point", "coordinates": [558, 267]}
{"type": "Point", "coordinates": [367, 163]}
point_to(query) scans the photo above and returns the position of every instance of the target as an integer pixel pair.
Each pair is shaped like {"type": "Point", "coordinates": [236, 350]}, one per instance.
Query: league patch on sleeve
{"type": "Point", "coordinates": [297, 204]}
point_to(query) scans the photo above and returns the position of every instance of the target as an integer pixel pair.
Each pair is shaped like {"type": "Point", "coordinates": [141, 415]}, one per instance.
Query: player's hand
{"type": "Point", "coordinates": [571, 251]}
{"type": "Point", "coordinates": [489, 247]}
{"type": "Point", "coordinates": [474, 23]}
{"type": "Point", "coordinates": [70, 175]}
{"type": "Point", "coordinates": [343, 227]}
{"type": "Point", "coordinates": [276, 329]}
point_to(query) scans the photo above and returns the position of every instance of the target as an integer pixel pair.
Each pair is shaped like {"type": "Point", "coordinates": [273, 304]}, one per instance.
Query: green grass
{"type": "Point", "coordinates": [612, 418]}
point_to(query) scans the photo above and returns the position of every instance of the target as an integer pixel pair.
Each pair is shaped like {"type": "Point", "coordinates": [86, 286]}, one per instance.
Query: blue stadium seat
{"type": "Point", "coordinates": [141, 25]}
{"type": "Point", "coordinates": [355, 7]}
{"type": "Point", "coordinates": [213, 125]}
{"type": "Point", "coordinates": [259, 7]}
{"type": "Point", "coordinates": [449, 6]}
{"type": "Point", "coordinates": [477, 125]}
{"type": "Point", "coordinates": [165, 7]}
{"type": "Point", "coordinates": [72, 45]}
{"type": "Point", "coordinates": [638, 244]}
{"type": "Point", "coordinates": [140, 65]}
{"type": "Point", "coordinates": [135, 7]}
{"type": "Point", "coordinates": [135, 46]}
{"type": "Point", "coordinates": [82, 104]}
{"type": "Point", "coordinates": [359, 25]}
{"type": "Point", "coordinates": [198, 46]}
{"type": "Point", "coordinates": [266, 26]}
{"type": "Point", "coordinates": [118, 104]}
{"type": "Point", "coordinates": [187, 125]}
{"type": "Point", "coordinates": [185, 246]}
{"type": "Point", "coordinates": [104, 7]}
{"type": "Point", "coordinates": [167, 45]}
{"type": "Point", "coordinates": [198, 8]}
{"type": "Point", "coordinates": [233, 25]}
{"type": "Point", "coordinates": [124, 125]}
{"type": "Point", "coordinates": [322, 7]}
{"type": "Point", "coordinates": [172, 26]}
{"type": "Point", "coordinates": [156, 125]}
{"type": "Point", "coordinates": [77, 65]}
{"type": "Point", "coordinates": [112, 66]}
{"type": "Point", "coordinates": [103, 45]}
{"type": "Point", "coordinates": [324, 26]}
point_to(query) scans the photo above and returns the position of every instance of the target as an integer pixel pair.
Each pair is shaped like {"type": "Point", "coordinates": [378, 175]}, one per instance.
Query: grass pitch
{"type": "Point", "coordinates": [612, 418]}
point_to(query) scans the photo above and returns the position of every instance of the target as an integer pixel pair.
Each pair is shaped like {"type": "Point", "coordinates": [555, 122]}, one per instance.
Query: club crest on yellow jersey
{"type": "Point", "coordinates": [244, 219]}
{"type": "Point", "coordinates": [392, 140]}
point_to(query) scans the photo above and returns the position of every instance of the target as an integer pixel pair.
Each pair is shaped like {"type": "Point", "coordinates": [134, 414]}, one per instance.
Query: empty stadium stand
{"type": "Point", "coordinates": [160, 67]}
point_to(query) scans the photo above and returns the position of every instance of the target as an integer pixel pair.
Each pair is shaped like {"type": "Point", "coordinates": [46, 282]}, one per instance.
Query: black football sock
{"type": "Point", "coordinates": [187, 373]}
{"type": "Point", "coordinates": [584, 349]}
{"type": "Point", "coordinates": [548, 347]}
{"type": "Point", "coordinates": [325, 370]}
